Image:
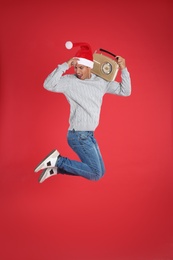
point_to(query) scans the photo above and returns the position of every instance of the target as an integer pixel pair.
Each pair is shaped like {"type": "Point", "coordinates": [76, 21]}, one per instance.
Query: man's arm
{"type": "Point", "coordinates": [122, 88]}
{"type": "Point", "coordinates": [55, 82]}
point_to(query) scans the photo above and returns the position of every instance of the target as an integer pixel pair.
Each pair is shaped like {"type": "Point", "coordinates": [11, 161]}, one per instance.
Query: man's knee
{"type": "Point", "coordinates": [99, 175]}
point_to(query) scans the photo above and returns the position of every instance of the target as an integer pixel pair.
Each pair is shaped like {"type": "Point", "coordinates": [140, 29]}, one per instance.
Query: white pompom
{"type": "Point", "coordinates": [69, 45]}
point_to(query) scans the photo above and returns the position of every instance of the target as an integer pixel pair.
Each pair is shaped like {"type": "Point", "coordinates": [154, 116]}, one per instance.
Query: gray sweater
{"type": "Point", "coordinates": [85, 96]}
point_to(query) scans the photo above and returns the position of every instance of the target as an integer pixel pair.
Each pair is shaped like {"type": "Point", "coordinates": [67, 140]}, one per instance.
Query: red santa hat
{"type": "Point", "coordinates": [84, 54]}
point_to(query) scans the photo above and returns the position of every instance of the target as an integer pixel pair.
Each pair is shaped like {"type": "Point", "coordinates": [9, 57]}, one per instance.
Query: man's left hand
{"type": "Point", "coordinates": [121, 62]}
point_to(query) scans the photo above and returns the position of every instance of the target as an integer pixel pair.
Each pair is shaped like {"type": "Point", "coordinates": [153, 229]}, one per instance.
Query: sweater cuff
{"type": "Point", "coordinates": [124, 71]}
{"type": "Point", "coordinates": [63, 67]}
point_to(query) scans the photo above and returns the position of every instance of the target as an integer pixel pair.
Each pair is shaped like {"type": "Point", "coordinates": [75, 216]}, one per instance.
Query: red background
{"type": "Point", "coordinates": [128, 213]}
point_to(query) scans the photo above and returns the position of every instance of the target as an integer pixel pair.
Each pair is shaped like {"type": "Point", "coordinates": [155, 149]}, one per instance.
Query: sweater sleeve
{"type": "Point", "coordinates": [122, 88]}
{"type": "Point", "coordinates": [55, 82]}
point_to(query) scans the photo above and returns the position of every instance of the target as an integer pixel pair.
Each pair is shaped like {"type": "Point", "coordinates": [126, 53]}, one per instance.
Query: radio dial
{"type": "Point", "coordinates": [106, 68]}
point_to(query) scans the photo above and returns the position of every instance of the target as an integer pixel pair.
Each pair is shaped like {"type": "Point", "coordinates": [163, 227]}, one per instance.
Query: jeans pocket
{"type": "Point", "coordinates": [83, 136]}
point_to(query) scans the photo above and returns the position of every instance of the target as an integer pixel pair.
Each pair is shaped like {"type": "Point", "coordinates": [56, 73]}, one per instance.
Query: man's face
{"type": "Point", "coordinates": [82, 72]}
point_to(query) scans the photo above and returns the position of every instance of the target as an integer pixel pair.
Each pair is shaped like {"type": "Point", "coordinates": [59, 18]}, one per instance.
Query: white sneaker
{"type": "Point", "coordinates": [47, 173]}
{"type": "Point", "coordinates": [48, 162]}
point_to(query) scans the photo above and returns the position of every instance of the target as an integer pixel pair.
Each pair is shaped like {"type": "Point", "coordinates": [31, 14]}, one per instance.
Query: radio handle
{"type": "Point", "coordinates": [107, 52]}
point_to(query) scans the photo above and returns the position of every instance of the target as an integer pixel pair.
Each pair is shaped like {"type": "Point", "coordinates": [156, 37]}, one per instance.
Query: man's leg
{"type": "Point", "coordinates": [85, 146]}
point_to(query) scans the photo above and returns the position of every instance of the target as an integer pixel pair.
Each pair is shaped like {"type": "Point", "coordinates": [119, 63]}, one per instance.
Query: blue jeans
{"type": "Point", "coordinates": [85, 146]}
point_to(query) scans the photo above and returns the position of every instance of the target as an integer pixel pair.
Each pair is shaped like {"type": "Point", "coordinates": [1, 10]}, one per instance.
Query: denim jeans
{"type": "Point", "coordinates": [85, 146]}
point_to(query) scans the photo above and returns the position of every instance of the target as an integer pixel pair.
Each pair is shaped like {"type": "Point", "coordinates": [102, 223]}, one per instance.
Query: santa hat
{"type": "Point", "coordinates": [84, 55]}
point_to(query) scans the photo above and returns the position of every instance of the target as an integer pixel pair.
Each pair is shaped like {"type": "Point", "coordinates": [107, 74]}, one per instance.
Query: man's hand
{"type": "Point", "coordinates": [72, 62]}
{"type": "Point", "coordinates": [121, 62]}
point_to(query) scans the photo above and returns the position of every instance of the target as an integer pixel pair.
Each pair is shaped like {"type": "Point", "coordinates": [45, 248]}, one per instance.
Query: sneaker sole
{"type": "Point", "coordinates": [54, 152]}
{"type": "Point", "coordinates": [41, 176]}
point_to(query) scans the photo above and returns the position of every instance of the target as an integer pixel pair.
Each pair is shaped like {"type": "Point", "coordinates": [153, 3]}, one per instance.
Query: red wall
{"type": "Point", "coordinates": [128, 213]}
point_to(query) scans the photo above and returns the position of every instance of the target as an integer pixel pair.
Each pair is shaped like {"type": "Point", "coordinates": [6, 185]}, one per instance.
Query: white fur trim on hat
{"type": "Point", "coordinates": [85, 62]}
{"type": "Point", "coordinates": [69, 45]}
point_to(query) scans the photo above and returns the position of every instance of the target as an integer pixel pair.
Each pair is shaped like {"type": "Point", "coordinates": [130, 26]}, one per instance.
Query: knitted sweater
{"type": "Point", "coordinates": [85, 96]}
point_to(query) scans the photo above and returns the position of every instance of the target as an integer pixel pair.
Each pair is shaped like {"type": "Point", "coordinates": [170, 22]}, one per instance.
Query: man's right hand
{"type": "Point", "coordinates": [72, 62]}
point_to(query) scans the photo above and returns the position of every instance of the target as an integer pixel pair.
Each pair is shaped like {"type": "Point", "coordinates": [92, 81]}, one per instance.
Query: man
{"type": "Point", "coordinates": [84, 92]}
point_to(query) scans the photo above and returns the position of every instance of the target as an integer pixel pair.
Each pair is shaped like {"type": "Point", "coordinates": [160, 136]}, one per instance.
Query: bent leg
{"type": "Point", "coordinates": [91, 165]}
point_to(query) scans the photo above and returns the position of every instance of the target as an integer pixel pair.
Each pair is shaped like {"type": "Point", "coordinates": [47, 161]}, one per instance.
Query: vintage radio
{"type": "Point", "coordinates": [104, 66]}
